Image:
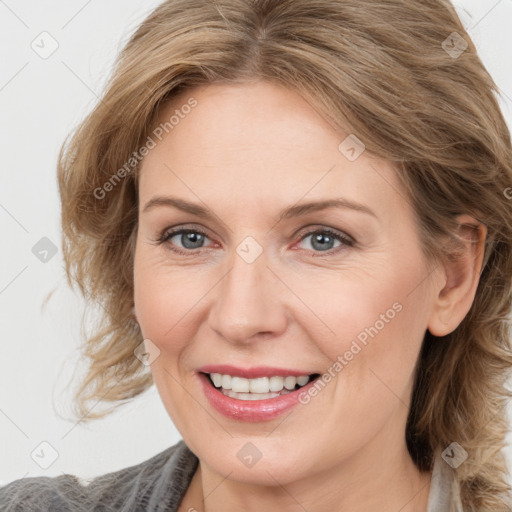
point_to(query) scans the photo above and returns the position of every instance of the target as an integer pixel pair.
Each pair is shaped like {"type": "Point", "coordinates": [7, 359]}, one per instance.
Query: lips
{"type": "Point", "coordinates": [254, 372]}
{"type": "Point", "coordinates": [252, 407]}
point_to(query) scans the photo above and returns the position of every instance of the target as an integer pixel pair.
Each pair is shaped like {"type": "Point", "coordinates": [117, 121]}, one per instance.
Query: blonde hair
{"type": "Point", "coordinates": [381, 70]}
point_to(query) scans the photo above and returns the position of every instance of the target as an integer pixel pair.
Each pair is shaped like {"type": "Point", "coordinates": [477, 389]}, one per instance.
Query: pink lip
{"type": "Point", "coordinates": [250, 410]}
{"type": "Point", "coordinates": [254, 372]}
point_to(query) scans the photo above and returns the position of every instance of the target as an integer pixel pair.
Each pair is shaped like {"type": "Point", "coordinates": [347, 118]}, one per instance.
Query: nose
{"type": "Point", "coordinates": [248, 302]}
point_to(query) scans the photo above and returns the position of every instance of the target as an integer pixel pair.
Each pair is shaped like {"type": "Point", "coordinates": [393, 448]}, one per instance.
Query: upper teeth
{"type": "Point", "coordinates": [259, 385]}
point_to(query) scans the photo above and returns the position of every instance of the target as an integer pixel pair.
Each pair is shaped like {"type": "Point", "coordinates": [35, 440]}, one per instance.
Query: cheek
{"type": "Point", "coordinates": [168, 301]}
{"type": "Point", "coordinates": [384, 300]}
{"type": "Point", "coordinates": [164, 300]}
{"type": "Point", "coordinates": [155, 299]}
{"type": "Point", "coordinates": [373, 326]}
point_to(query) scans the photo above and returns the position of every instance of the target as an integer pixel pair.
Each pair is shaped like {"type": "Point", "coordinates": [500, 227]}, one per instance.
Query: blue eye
{"type": "Point", "coordinates": [322, 240]}
{"type": "Point", "coordinates": [190, 239]}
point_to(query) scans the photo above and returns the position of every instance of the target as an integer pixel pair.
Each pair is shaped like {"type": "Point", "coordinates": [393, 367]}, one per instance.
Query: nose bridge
{"type": "Point", "coordinates": [247, 299]}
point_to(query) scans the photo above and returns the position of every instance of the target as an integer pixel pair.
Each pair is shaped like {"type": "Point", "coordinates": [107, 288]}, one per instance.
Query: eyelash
{"type": "Point", "coordinates": [346, 240]}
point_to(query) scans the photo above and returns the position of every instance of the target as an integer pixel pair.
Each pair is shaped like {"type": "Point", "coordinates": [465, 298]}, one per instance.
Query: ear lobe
{"type": "Point", "coordinates": [461, 276]}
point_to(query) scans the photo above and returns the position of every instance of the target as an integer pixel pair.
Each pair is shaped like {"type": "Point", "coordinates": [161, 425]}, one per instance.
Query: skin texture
{"type": "Point", "coordinates": [246, 152]}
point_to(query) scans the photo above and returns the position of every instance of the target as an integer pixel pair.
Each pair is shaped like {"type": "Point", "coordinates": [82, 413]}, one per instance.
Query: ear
{"type": "Point", "coordinates": [461, 274]}
{"type": "Point", "coordinates": [134, 315]}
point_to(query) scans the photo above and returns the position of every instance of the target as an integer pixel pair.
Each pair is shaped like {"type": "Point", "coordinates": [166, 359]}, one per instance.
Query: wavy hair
{"type": "Point", "coordinates": [394, 74]}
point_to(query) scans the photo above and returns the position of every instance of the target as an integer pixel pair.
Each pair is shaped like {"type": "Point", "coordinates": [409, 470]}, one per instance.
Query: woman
{"type": "Point", "coordinates": [295, 213]}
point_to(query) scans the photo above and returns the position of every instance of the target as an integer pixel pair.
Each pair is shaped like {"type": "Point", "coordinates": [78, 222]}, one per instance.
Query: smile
{"type": "Point", "coordinates": [261, 388]}
{"type": "Point", "coordinates": [255, 394]}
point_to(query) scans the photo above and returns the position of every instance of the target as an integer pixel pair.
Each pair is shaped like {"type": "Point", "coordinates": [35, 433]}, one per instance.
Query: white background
{"type": "Point", "coordinates": [41, 101]}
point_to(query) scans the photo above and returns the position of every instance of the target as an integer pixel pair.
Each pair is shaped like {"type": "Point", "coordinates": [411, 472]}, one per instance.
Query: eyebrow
{"type": "Point", "coordinates": [290, 212]}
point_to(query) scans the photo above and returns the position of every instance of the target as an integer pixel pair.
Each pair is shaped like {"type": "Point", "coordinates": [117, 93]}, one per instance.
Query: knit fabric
{"type": "Point", "coordinates": [156, 485]}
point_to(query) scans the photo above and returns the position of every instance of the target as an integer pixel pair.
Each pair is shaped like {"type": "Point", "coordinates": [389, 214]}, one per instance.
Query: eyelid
{"type": "Point", "coordinates": [171, 232]}
{"type": "Point", "coordinates": [345, 239]}
{"type": "Point", "coordinates": [320, 228]}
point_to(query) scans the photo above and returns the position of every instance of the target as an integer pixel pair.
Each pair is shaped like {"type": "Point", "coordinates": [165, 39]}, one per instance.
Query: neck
{"type": "Point", "coordinates": [388, 484]}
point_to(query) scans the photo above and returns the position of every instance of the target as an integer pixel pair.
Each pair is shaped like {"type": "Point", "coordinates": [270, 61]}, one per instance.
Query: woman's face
{"type": "Point", "coordinates": [252, 291]}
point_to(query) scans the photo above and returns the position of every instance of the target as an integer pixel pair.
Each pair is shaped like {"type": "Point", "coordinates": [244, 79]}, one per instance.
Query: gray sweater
{"type": "Point", "coordinates": [155, 485]}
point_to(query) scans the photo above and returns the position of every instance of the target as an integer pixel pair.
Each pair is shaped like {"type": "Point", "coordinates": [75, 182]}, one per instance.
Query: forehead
{"type": "Point", "coordinates": [255, 143]}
